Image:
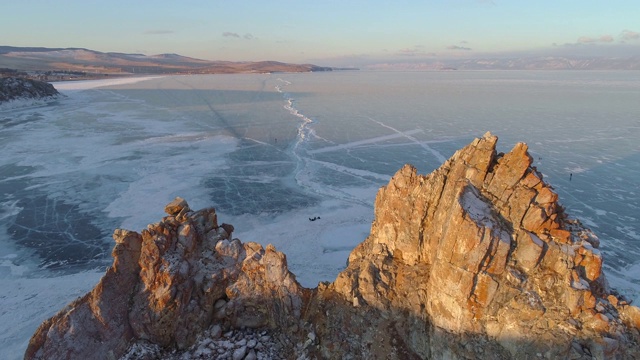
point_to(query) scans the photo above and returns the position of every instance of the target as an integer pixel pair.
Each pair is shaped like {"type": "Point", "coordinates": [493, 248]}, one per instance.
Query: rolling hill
{"type": "Point", "coordinates": [91, 62]}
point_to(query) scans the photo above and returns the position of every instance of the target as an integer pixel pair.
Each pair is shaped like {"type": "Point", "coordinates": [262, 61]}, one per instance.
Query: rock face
{"type": "Point", "coordinates": [474, 261]}
{"type": "Point", "coordinates": [478, 260]}
{"type": "Point", "coordinates": [168, 285]}
{"type": "Point", "coordinates": [17, 88]}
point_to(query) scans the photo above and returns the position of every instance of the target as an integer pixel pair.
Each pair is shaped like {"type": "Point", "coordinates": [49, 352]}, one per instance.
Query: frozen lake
{"type": "Point", "coordinates": [270, 151]}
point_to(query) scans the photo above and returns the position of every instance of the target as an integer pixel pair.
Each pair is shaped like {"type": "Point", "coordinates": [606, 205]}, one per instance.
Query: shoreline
{"type": "Point", "coordinates": [67, 85]}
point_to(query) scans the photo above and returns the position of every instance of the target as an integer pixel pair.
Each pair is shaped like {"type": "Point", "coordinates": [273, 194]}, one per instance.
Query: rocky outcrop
{"type": "Point", "coordinates": [168, 285]}
{"type": "Point", "coordinates": [12, 88]}
{"type": "Point", "coordinates": [478, 260]}
{"type": "Point", "coordinates": [474, 261]}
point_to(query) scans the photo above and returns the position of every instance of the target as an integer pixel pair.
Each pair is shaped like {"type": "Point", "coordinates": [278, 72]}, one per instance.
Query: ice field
{"type": "Point", "coordinates": [270, 151]}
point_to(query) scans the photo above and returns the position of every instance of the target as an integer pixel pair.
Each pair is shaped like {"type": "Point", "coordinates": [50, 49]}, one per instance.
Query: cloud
{"type": "Point", "coordinates": [408, 52]}
{"type": "Point", "coordinates": [630, 35]}
{"type": "Point", "coordinates": [246, 36]}
{"type": "Point", "coordinates": [590, 40]}
{"type": "Point", "coordinates": [158, 32]}
{"type": "Point", "coordinates": [606, 38]}
{"type": "Point", "coordinates": [625, 36]}
{"type": "Point", "coordinates": [417, 50]}
{"type": "Point", "coordinates": [587, 40]}
{"type": "Point", "coordinates": [456, 47]}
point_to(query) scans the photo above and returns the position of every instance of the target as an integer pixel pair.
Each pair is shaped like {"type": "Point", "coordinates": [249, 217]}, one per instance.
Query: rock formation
{"type": "Point", "coordinates": [168, 285]}
{"type": "Point", "coordinates": [474, 261]}
{"type": "Point", "coordinates": [12, 88]}
{"type": "Point", "coordinates": [478, 260]}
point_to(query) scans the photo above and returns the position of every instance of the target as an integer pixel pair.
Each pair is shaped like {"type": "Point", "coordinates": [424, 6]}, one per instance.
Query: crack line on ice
{"type": "Point", "coordinates": [364, 142]}
{"type": "Point", "coordinates": [423, 145]}
{"type": "Point", "coordinates": [301, 175]}
{"type": "Point", "coordinates": [302, 131]}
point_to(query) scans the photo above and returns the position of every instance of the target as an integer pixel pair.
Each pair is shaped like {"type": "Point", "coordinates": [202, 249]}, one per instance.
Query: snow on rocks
{"type": "Point", "coordinates": [18, 92]}
{"type": "Point", "coordinates": [246, 344]}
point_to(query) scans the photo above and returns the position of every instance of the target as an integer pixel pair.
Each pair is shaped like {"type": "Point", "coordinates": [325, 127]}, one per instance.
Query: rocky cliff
{"type": "Point", "coordinates": [12, 88]}
{"type": "Point", "coordinates": [474, 261]}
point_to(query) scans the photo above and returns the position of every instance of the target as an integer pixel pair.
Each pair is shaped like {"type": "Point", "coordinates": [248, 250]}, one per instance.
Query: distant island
{"type": "Point", "coordinates": [59, 64]}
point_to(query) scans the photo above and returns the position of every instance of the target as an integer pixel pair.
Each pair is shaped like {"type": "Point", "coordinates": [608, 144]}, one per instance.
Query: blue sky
{"type": "Point", "coordinates": [336, 33]}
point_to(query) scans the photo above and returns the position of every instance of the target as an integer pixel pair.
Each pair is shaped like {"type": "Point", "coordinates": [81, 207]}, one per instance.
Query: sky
{"type": "Point", "coordinates": [328, 32]}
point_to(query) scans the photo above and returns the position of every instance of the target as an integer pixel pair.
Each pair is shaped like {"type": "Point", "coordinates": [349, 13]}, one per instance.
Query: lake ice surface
{"type": "Point", "coordinates": [270, 151]}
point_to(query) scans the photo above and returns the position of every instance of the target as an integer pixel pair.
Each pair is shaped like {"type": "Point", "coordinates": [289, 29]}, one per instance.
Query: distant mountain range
{"type": "Point", "coordinates": [79, 60]}
{"type": "Point", "coordinates": [76, 63]}
{"type": "Point", "coordinates": [518, 63]}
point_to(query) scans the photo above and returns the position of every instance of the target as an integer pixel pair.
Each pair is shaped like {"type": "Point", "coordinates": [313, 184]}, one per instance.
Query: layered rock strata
{"type": "Point", "coordinates": [474, 261]}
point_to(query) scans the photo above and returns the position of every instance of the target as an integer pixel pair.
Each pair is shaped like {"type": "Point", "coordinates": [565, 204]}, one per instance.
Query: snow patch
{"type": "Point", "coordinates": [27, 103]}
{"type": "Point", "coordinates": [476, 208]}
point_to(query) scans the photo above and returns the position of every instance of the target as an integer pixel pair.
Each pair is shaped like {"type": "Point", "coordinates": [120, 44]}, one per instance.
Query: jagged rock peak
{"type": "Point", "coordinates": [481, 251]}
{"type": "Point", "coordinates": [476, 260]}
{"type": "Point", "coordinates": [168, 285]}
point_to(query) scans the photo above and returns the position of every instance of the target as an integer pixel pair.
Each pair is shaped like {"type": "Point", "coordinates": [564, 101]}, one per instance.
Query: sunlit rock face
{"type": "Point", "coordinates": [474, 261]}
{"type": "Point", "coordinates": [478, 260]}
{"type": "Point", "coordinates": [167, 285]}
